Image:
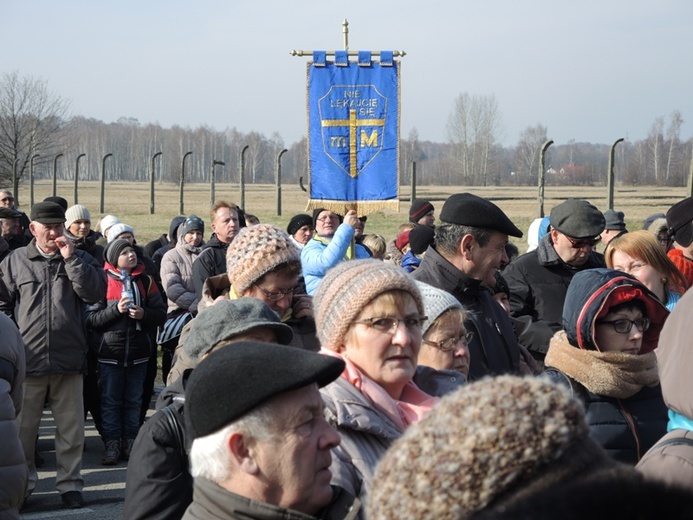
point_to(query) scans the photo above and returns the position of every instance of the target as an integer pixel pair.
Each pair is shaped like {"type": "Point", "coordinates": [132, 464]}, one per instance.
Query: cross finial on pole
{"type": "Point", "coordinates": [345, 32]}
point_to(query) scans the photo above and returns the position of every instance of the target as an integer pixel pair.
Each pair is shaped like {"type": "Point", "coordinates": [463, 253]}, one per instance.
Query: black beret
{"type": "Point", "coordinates": [467, 209]}
{"type": "Point", "coordinates": [47, 213]}
{"type": "Point", "coordinates": [614, 220]}
{"type": "Point", "coordinates": [418, 209]}
{"type": "Point", "coordinates": [113, 250]}
{"type": "Point", "coordinates": [60, 201]}
{"type": "Point", "coordinates": [297, 222]}
{"type": "Point", "coordinates": [577, 218]}
{"type": "Point", "coordinates": [231, 381]}
{"type": "Point", "coordinates": [9, 213]}
{"type": "Point", "coordinates": [679, 219]}
{"type": "Point", "coordinates": [420, 238]}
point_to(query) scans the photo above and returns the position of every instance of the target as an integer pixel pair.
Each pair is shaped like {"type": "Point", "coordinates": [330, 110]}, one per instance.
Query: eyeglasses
{"type": "Point", "coordinates": [276, 296]}
{"type": "Point", "coordinates": [579, 244]}
{"type": "Point", "coordinates": [389, 325]}
{"type": "Point", "coordinates": [450, 343]}
{"type": "Point", "coordinates": [624, 326]}
{"type": "Point", "coordinates": [7, 199]}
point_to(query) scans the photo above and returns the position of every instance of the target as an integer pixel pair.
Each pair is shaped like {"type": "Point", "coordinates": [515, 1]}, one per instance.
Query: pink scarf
{"type": "Point", "coordinates": [412, 406]}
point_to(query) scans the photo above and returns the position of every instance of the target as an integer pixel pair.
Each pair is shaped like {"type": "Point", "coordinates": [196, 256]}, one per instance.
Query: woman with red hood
{"type": "Point", "coordinates": [605, 353]}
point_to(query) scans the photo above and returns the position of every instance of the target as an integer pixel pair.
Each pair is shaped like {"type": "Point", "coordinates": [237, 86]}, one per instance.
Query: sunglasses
{"type": "Point", "coordinates": [579, 244]}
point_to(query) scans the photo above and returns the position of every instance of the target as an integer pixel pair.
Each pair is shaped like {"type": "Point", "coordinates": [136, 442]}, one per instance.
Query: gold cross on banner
{"type": "Point", "coordinates": [353, 125]}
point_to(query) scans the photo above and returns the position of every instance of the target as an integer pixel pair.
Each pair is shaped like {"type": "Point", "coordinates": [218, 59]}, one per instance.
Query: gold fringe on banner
{"type": "Point", "coordinates": [362, 207]}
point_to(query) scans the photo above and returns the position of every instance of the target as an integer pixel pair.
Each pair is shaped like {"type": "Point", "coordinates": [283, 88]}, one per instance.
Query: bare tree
{"type": "Point", "coordinates": [655, 141]}
{"type": "Point", "coordinates": [673, 137]}
{"type": "Point", "coordinates": [31, 118]}
{"type": "Point", "coordinates": [527, 152]}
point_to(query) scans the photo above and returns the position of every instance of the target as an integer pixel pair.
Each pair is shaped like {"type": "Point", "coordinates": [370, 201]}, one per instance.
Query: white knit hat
{"type": "Point", "coordinates": [107, 221]}
{"type": "Point", "coordinates": [436, 302]}
{"type": "Point", "coordinates": [118, 229]}
{"type": "Point", "coordinates": [76, 212]}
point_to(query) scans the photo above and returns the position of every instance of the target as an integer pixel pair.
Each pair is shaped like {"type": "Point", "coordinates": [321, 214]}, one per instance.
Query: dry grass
{"type": "Point", "coordinates": [130, 202]}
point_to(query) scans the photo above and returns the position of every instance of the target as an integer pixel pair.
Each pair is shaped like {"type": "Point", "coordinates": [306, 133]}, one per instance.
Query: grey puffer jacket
{"type": "Point", "coordinates": [177, 277]}
{"type": "Point", "coordinates": [46, 298]}
{"type": "Point", "coordinates": [367, 432]}
{"type": "Point", "coordinates": [13, 468]}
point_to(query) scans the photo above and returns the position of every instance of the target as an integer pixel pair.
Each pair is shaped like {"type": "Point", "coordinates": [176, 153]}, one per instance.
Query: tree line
{"type": "Point", "coordinates": [34, 125]}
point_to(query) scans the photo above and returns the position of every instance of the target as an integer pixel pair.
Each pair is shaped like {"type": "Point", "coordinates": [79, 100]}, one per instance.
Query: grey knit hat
{"type": "Point", "coordinates": [76, 212]}
{"type": "Point", "coordinates": [436, 302]}
{"type": "Point", "coordinates": [256, 251]}
{"type": "Point", "coordinates": [118, 229]}
{"type": "Point", "coordinates": [228, 318]}
{"type": "Point", "coordinates": [113, 250]}
{"type": "Point", "coordinates": [192, 223]}
{"type": "Point", "coordinates": [348, 287]}
{"type": "Point", "coordinates": [481, 443]}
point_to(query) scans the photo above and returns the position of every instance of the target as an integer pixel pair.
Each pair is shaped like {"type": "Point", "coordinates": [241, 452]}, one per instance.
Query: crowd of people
{"type": "Point", "coordinates": [325, 372]}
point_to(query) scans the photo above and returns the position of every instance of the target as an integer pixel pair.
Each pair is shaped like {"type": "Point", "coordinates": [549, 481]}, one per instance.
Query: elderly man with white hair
{"type": "Point", "coordinates": [261, 446]}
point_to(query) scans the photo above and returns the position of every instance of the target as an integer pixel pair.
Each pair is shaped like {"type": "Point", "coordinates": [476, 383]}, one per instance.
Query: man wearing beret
{"type": "Point", "coordinates": [261, 447]}
{"type": "Point", "coordinates": [44, 288]}
{"type": "Point", "coordinates": [680, 221]}
{"type": "Point", "coordinates": [539, 280]}
{"type": "Point", "coordinates": [469, 248]}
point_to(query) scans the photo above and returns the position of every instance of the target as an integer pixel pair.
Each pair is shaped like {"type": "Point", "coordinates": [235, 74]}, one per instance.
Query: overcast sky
{"type": "Point", "coordinates": [591, 70]}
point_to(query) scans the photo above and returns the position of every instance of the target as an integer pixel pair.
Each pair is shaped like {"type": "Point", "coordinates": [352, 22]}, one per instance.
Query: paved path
{"type": "Point", "coordinates": [104, 486]}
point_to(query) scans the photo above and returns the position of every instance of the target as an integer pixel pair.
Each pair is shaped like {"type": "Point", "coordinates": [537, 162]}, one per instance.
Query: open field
{"type": "Point", "coordinates": [130, 202]}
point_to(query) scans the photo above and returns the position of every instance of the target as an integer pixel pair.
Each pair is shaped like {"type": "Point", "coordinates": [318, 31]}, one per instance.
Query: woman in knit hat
{"type": "Point", "coordinates": [177, 279]}
{"type": "Point", "coordinates": [369, 314]}
{"type": "Point", "coordinates": [606, 355]}
{"type": "Point", "coordinates": [639, 254]}
{"type": "Point", "coordinates": [103, 225]}
{"type": "Point", "coordinates": [300, 229]}
{"type": "Point", "coordinates": [78, 230]}
{"type": "Point", "coordinates": [487, 447]}
{"type": "Point", "coordinates": [445, 343]}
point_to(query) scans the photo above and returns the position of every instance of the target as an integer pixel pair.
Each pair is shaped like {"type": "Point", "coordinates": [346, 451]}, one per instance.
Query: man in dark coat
{"type": "Point", "coordinates": [539, 280]}
{"type": "Point", "coordinates": [469, 249]}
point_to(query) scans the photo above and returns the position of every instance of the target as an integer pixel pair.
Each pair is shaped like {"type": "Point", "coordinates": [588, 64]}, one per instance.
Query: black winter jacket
{"type": "Point", "coordinates": [538, 283]}
{"type": "Point", "coordinates": [494, 349]}
{"type": "Point", "coordinates": [211, 262]}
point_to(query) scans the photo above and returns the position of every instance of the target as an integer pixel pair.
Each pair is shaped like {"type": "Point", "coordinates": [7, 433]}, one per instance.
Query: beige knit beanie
{"type": "Point", "coordinates": [479, 443]}
{"type": "Point", "coordinates": [348, 287]}
{"type": "Point", "coordinates": [76, 212]}
{"type": "Point", "coordinates": [256, 251]}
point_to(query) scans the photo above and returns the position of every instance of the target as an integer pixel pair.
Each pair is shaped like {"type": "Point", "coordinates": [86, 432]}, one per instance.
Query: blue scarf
{"type": "Point", "coordinates": [676, 421]}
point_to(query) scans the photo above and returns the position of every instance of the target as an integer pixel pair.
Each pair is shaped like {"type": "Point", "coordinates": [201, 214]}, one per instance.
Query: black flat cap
{"type": "Point", "coordinates": [467, 209]}
{"type": "Point", "coordinates": [9, 213]}
{"type": "Point", "coordinates": [577, 218]}
{"type": "Point", "coordinates": [679, 219]}
{"type": "Point", "coordinates": [615, 220]}
{"type": "Point", "coordinates": [47, 213]}
{"type": "Point", "coordinates": [230, 382]}
{"type": "Point", "coordinates": [60, 201]}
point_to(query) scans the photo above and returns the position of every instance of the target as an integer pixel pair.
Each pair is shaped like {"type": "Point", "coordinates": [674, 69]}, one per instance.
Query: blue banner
{"type": "Point", "coordinates": [353, 133]}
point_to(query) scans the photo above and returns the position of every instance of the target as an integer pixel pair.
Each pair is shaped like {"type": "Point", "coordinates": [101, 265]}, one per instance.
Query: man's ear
{"type": "Point", "coordinates": [242, 453]}
{"type": "Point", "coordinates": [466, 246]}
{"type": "Point", "coordinates": [554, 236]}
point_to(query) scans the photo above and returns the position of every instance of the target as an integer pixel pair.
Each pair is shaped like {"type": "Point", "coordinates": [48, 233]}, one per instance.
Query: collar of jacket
{"type": "Point", "coordinates": [33, 252]}
{"type": "Point", "coordinates": [547, 255]}
{"type": "Point", "coordinates": [451, 276]}
{"type": "Point", "coordinates": [216, 243]}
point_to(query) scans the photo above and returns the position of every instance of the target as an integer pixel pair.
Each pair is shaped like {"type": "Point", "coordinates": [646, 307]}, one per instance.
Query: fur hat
{"type": "Point", "coordinates": [113, 250]}
{"type": "Point", "coordinates": [256, 251]}
{"type": "Point", "coordinates": [234, 380]}
{"type": "Point", "coordinates": [436, 302]}
{"type": "Point", "coordinates": [348, 287]}
{"type": "Point", "coordinates": [577, 218]}
{"type": "Point", "coordinates": [680, 217]}
{"type": "Point", "coordinates": [467, 209]}
{"type": "Point", "coordinates": [192, 223]}
{"type": "Point", "coordinates": [480, 443]}
{"type": "Point", "coordinates": [228, 318]}
{"type": "Point", "coordinates": [107, 222]}
{"type": "Point", "coordinates": [418, 209]}
{"type": "Point", "coordinates": [76, 212]}
{"type": "Point", "coordinates": [118, 229]}
{"type": "Point", "coordinates": [297, 222]}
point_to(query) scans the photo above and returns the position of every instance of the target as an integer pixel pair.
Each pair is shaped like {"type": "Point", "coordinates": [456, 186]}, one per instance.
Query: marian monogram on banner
{"type": "Point", "coordinates": [353, 118]}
